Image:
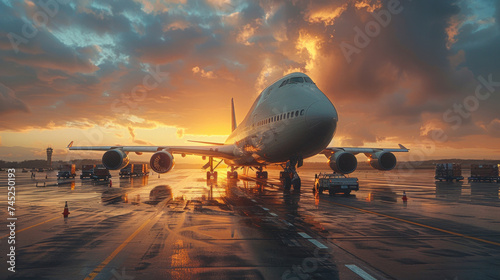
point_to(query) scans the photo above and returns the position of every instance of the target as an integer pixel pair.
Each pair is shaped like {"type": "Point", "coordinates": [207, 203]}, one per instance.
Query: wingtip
{"type": "Point", "coordinates": [403, 147]}
{"type": "Point", "coordinates": [70, 145]}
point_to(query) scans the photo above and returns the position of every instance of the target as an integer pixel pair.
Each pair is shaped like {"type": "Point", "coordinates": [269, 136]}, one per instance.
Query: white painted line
{"type": "Point", "coordinates": [273, 214]}
{"type": "Point", "coordinates": [360, 272]}
{"type": "Point", "coordinates": [286, 222]}
{"type": "Point", "coordinates": [265, 209]}
{"type": "Point", "coordinates": [317, 243]}
{"type": "Point", "coordinates": [254, 200]}
{"type": "Point", "coordinates": [305, 235]}
{"type": "Point", "coordinates": [312, 240]}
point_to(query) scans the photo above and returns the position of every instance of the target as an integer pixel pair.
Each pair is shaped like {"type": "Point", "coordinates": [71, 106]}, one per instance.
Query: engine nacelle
{"type": "Point", "coordinates": [115, 159]}
{"type": "Point", "coordinates": [343, 162]}
{"type": "Point", "coordinates": [162, 162]}
{"type": "Point", "coordinates": [382, 160]}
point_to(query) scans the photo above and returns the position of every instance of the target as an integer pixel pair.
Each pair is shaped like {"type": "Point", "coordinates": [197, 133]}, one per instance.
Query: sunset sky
{"type": "Point", "coordinates": [422, 73]}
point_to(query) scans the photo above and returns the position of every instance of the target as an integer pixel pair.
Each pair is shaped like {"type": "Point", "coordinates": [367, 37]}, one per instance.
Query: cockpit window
{"type": "Point", "coordinates": [295, 80]}
{"type": "Point", "coordinates": [284, 83]}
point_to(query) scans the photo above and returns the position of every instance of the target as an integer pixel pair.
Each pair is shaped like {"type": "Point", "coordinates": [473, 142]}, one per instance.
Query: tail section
{"type": "Point", "coordinates": [233, 116]}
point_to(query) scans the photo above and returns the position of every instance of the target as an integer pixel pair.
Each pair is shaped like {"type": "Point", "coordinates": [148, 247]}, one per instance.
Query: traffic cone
{"type": "Point", "coordinates": [405, 199]}
{"type": "Point", "coordinates": [66, 210]}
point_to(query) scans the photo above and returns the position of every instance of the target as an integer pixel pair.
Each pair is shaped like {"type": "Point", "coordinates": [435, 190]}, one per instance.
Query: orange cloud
{"type": "Point", "coordinates": [326, 15]}
{"type": "Point", "coordinates": [370, 5]}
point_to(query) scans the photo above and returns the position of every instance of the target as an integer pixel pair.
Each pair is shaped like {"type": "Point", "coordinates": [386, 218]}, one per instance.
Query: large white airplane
{"type": "Point", "coordinates": [291, 120]}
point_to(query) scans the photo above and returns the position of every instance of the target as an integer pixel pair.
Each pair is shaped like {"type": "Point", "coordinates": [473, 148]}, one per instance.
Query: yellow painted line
{"type": "Point", "coordinates": [100, 267]}
{"type": "Point", "coordinates": [420, 225]}
{"type": "Point", "coordinates": [17, 231]}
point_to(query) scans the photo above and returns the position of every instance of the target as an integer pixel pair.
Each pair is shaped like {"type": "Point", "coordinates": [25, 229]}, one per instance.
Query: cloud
{"type": "Point", "coordinates": [137, 141]}
{"type": "Point", "coordinates": [91, 64]}
{"type": "Point", "coordinates": [180, 133]}
{"type": "Point", "coordinates": [131, 131]}
{"type": "Point", "coordinates": [9, 102]}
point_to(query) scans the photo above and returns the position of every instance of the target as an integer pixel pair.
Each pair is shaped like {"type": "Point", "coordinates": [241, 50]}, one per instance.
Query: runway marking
{"type": "Point", "coordinates": [420, 225]}
{"type": "Point", "coordinates": [273, 214]}
{"type": "Point", "coordinates": [312, 240]}
{"type": "Point", "coordinates": [17, 231]}
{"type": "Point", "coordinates": [264, 208]}
{"type": "Point", "coordinates": [361, 273]}
{"type": "Point", "coordinates": [286, 222]}
{"type": "Point", "coordinates": [99, 268]}
{"type": "Point", "coordinates": [254, 200]}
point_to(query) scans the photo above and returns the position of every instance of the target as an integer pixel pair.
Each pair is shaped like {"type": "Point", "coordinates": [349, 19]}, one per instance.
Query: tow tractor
{"type": "Point", "coordinates": [334, 183]}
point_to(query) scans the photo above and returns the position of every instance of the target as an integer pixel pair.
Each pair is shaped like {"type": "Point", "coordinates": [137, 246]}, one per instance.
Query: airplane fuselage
{"type": "Point", "coordinates": [290, 118]}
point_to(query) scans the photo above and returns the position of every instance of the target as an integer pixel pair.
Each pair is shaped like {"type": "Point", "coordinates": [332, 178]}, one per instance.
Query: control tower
{"type": "Point", "coordinates": [49, 157]}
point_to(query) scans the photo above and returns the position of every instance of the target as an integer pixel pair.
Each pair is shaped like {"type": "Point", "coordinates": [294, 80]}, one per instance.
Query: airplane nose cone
{"type": "Point", "coordinates": [321, 121]}
{"type": "Point", "coordinates": [321, 114]}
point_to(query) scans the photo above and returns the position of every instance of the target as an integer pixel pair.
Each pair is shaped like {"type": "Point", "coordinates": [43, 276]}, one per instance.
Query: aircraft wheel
{"type": "Point", "coordinates": [264, 175]}
{"type": "Point", "coordinates": [235, 175]}
{"type": "Point", "coordinates": [287, 184]}
{"type": "Point", "coordinates": [296, 184]}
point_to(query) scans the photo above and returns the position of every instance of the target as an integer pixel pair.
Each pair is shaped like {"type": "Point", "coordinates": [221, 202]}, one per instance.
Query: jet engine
{"type": "Point", "coordinates": [162, 162]}
{"type": "Point", "coordinates": [382, 160]}
{"type": "Point", "coordinates": [115, 159]}
{"type": "Point", "coordinates": [343, 162]}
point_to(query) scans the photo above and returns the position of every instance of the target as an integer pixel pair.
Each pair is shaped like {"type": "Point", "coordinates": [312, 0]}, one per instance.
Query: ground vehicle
{"type": "Point", "coordinates": [137, 170]}
{"type": "Point", "coordinates": [87, 171]}
{"type": "Point", "coordinates": [66, 171]}
{"type": "Point", "coordinates": [448, 172]}
{"type": "Point", "coordinates": [100, 173]}
{"type": "Point", "coordinates": [484, 172]}
{"type": "Point", "coordinates": [335, 183]}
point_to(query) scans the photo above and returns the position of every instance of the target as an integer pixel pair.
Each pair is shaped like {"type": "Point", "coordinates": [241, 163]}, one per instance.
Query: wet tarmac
{"type": "Point", "coordinates": [180, 227]}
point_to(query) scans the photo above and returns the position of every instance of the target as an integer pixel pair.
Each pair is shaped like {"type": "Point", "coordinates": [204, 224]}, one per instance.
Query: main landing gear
{"type": "Point", "coordinates": [289, 176]}
{"type": "Point", "coordinates": [211, 175]}
{"type": "Point", "coordinates": [261, 174]}
{"type": "Point", "coordinates": [232, 175]}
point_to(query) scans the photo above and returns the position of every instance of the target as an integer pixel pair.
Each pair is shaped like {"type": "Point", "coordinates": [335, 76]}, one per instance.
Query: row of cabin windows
{"type": "Point", "coordinates": [296, 80]}
{"type": "Point", "coordinates": [283, 116]}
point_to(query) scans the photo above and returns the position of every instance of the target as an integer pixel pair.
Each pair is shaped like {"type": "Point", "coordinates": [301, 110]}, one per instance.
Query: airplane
{"type": "Point", "coordinates": [291, 120]}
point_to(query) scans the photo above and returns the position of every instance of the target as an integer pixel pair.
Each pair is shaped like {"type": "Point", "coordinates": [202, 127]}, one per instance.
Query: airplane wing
{"type": "Point", "coordinates": [331, 150]}
{"type": "Point", "coordinates": [218, 151]}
